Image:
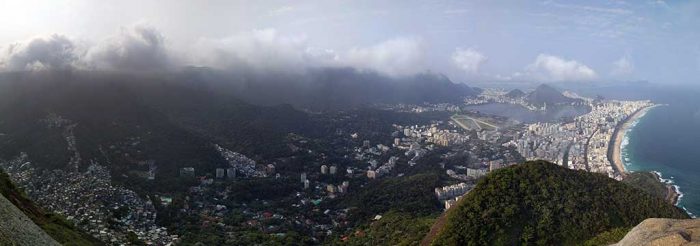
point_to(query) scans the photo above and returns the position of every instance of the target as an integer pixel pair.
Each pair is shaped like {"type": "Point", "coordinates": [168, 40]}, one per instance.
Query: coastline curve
{"type": "Point", "coordinates": [619, 137]}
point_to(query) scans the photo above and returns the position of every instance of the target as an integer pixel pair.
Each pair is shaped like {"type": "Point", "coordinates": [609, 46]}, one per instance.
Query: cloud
{"type": "Point", "coordinates": [602, 10]}
{"type": "Point", "coordinates": [455, 11]}
{"type": "Point", "coordinates": [505, 77]}
{"type": "Point", "coordinates": [263, 49]}
{"type": "Point", "coordinates": [395, 57]}
{"type": "Point", "coordinates": [659, 3]}
{"type": "Point", "coordinates": [53, 52]}
{"type": "Point", "coordinates": [551, 68]}
{"type": "Point", "coordinates": [281, 10]}
{"type": "Point", "coordinates": [144, 49]}
{"type": "Point", "coordinates": [135, 49]}
{"type": "Point", "coordinates": [468, 60]}
{"type": "Point", "coordinates": [623, 66]}
{"type": "Point", "coordinates": [268, 50]}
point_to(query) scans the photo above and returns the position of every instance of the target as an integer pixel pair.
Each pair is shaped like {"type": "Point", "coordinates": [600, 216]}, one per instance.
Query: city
{"type": "Point", "coordinates": [349, 122]}
{"type": "Point", "coordinates": [468, 152]}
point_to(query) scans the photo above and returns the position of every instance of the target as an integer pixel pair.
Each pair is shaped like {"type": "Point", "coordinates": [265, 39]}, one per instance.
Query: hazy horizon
{"type": "Point", "coordinates": [473, 43]}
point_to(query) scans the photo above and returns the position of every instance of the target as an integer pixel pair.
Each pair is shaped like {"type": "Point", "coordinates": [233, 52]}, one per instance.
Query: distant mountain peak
{"type": "Point", "coordinates": [546, 94]}
{"type": "Point", "coordinates": [515, 93]}
{"type": "Point", "coordinates": [545, 88]}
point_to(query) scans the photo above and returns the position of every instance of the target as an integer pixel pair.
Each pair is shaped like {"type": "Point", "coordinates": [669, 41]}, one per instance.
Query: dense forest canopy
{"type": "Point", "coordinates": [546, 204]}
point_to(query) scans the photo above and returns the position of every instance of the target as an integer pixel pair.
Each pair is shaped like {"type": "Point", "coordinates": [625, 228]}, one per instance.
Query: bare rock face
{"type": "Point", "coordinates": [663, 232]}
{"type": "Point", "coordinates": [17, 229]}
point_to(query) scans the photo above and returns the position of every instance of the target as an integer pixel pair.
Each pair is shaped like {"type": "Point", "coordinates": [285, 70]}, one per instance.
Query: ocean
{"type": "Point", "coordinates": [667, 140]}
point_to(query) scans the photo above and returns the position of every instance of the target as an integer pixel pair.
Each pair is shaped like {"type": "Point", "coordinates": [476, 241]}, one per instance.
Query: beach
{"type": "Point", "coordinates": [672, 194]}
{"type": "Point", "coordinates": [619, 136]}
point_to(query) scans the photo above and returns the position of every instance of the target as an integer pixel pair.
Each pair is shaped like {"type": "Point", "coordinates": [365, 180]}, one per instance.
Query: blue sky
{"type": "Point", "coordinates": [474, 41]}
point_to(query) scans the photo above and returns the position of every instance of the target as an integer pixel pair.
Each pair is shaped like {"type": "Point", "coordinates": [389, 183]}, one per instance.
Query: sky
{"type": "Point", "coordinates": [469, 41]}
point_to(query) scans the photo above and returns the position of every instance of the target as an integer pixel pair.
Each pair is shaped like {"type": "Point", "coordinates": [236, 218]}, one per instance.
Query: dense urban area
{"type": "Point", "coordinates": [318, 198]}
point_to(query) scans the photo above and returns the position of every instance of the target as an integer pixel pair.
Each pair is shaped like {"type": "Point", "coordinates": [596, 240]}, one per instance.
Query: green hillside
{"type": "Point", "coordinates": [647, 182]}
{"type": "Point", "coordinates": [407, 205]}
{"type": "Point", "coordinates": [544, 204]}
{"type": "Point", "coordinates": [56, 226]}
{"type": "Point", "coordinates": [121, 120]}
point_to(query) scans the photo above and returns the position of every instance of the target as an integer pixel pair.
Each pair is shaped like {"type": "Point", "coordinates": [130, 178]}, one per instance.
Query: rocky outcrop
{"type": "Point", "coordinates": [663, 232]}
{"type": "Point", "coordinates": [17, 229]}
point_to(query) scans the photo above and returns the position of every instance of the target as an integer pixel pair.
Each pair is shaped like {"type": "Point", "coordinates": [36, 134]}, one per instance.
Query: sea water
{"type": "Point", "coordinates": [667, 141]}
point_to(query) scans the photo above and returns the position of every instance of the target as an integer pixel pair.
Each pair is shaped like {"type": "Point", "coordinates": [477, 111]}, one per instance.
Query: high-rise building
{"type": "Point", "coordinates": [220, 173]}
{"type": "Point", "coordinates": [371, 174]}
{"type": "Point", "coordinates": [345, 186]}
{"type": "Point", "coordinates": [333, 170]}
{"type": "Point", "coordinates": [449, 204]}
{"type": "Point", "coordinates": [373, 163]}
{"type": "Point", "coordinates": [303, 177]}
{"type": "Point", "coordinates": [476, 173]}
{"type": "Point", "coordinates": [187, 172]}
{"type": "Point", "coordinates": [493, 165]}
{"type": "Point", "coordinates": [307, 183]}
{"type": "Point", "coordinates": [331, 188]}
{"type": "Point", "coordinates": [324, 169]}
{"type": "Point", "coordinates": [231, 173]}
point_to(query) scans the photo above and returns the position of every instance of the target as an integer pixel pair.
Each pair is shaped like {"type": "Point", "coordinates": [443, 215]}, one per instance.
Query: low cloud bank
{"type": "Point", "coordinates": [53, 52]}
{"type": "Point", "coordinates": [143, 48]}
{"type": "Point", "coordinates": [468, 60]}
{"type": "Point", "coordinates": [267, 51]}
{"type": "Point", "coordinates": [137, 49]}
{"type": "Point", "coordinates": [552, 68]}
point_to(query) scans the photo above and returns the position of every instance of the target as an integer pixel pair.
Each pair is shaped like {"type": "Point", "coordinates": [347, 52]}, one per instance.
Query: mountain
{"type": "Point", "coordinates": [543, 203]}
{"type": "Point", "coordinates": [515, 93]}
{"type": "Point", "coordinates": [175, 120]}
{"type": "Point", "coordinates": [333, 88]}
{"type": "Point", "coordinates": [24, 223]}
{"type": "Point", "coordinates": [407, 206]}
{"type": "Point", "coordinates": [545, 94]}
{"type": "Point", "coordinates": [110, 118]}
{"type": "Point", "coordinates": [649, 182]}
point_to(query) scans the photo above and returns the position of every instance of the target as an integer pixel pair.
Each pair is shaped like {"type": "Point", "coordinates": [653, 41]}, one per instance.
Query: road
{"type": "Point", "coordinates": [585, 147]}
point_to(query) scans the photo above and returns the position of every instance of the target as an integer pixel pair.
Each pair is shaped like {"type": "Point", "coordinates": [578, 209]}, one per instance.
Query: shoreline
{"type": "Point", "coordinates": [619, 136]}
{"type": "Point", "coordinates": [673, 195]}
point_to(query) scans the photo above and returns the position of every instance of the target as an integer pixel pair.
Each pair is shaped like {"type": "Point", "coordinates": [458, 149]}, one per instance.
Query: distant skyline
{"type": "Point", "coordinates": [470, 42]}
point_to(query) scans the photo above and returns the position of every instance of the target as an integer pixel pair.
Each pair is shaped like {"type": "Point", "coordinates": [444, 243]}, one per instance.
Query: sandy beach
{"type": "Point", "coordinates": [620, 135]}
{"type": "Point", "coordinates": [672, 194]}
